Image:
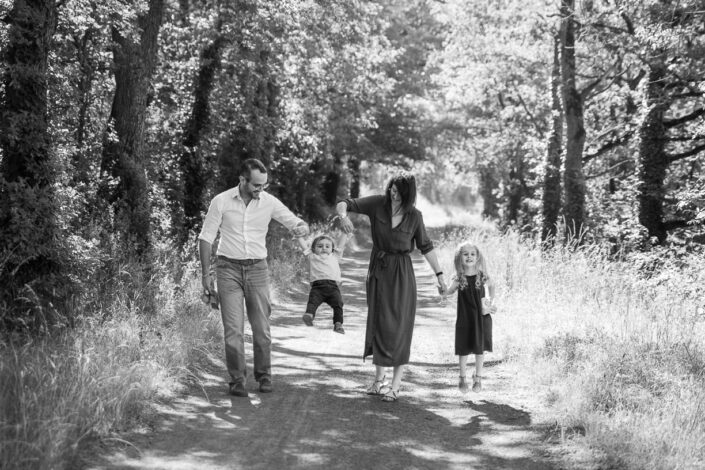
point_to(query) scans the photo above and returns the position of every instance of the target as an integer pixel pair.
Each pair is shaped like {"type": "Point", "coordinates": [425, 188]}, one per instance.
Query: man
{"type": "Point", "coordinates": [242, 215]}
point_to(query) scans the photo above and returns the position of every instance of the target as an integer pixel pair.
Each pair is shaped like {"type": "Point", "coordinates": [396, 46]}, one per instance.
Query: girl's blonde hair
{"type": "Point", "coordinates": [482, 276]}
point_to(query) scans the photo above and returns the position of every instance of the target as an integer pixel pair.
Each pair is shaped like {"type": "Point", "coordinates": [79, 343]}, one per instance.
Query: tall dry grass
{"type": "Point", "coordinates": [617, 348]}
{"type": "Point", "coordinates": [58, 393]}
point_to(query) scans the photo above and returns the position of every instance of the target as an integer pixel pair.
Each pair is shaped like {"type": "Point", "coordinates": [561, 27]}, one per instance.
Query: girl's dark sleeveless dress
{"type": "Point", "coordinates": [473, 330]}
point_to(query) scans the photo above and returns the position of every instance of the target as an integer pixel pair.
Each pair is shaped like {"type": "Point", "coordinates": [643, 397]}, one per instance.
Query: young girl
{"type": "Point", "coordinates": [325, 277]}
{"type": "Point", "coordinates": [473, 327]}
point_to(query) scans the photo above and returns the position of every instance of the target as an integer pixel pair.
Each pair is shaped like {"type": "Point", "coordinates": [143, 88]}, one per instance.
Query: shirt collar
{"type": "Point", "coordinates": [236, 194]}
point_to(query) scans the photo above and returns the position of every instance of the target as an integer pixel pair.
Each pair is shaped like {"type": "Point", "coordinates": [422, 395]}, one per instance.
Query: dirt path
{"type": "Point", "coordinates": [320, 417]}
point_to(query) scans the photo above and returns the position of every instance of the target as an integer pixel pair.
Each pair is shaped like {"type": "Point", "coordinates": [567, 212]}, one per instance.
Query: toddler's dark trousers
{"type": "Point", "coordinates": [326, 291]}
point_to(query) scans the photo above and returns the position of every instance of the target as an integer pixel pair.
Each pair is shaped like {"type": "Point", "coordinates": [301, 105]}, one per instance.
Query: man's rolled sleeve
{"type": "Point", "coordinates": [284, 216]}
{"type": "Point", "coordinates": [211, 224]}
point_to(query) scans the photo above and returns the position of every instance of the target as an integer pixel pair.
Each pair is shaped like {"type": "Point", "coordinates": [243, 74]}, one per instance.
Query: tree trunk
{"type": "Point", "coordinates": [552, 165]}
{"type": "Point", "coordinates": [81, 160]}
{"type": "Point", "coordinates": [653, 160]}
{"type": "Point", "coordinates": [516, 188]}
{"type": "Point", "coordinates": [123, 157]}
{"type": "Point", "coordinates": [191, 161]}
{"type": "Point", "coordinates": [488, 185]}
{"type": "Point", "coordinates": [354, 168]}
{"type": "Point", "coordinates": [573, 177]}
{"type": "Point", "coordinates": [29, 253]}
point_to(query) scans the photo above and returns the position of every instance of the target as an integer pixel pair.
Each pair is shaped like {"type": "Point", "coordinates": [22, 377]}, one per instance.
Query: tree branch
{"type": "Point", "coordinates": [683, 119]}
{"type": "Point", "coordinates": [585, 92]}
{"type": "Point", "coordinates": [623, 139]}
{"type": "Point", "coordinates": [608, 170]}
{"type": "Point", "coordinates": [684, 138]}
{"type": "Point", "coordinates": [679, 223]}
{"type": "Point", "coordinates": [628, 22]}
{"type": "Point", "coordinates": [690, 94]}
{"type": "Point", "coordinates": [614, 29]}
{"type": "Point", "coordinates": [536, 124]}
{"type": "Point", "coordinates": [679, 156]}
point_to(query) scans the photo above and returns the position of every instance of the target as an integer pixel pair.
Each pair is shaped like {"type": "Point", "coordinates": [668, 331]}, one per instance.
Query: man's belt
{"type": "Point", "coordinates": [241, 262]}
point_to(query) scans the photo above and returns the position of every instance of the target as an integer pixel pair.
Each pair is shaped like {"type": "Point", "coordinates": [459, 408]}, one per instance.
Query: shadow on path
{"type": "Point", "coordinates": [319, 415]}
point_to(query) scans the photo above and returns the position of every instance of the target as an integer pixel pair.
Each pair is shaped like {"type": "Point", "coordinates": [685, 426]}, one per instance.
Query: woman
{"type": "Point", "coordinates": [396, 227]}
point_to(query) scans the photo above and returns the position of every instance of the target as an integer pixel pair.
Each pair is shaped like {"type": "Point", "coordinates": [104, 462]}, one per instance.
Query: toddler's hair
{"type": "Point", "coordinates": [322, 237]}
{"type": "Point", "coordinates": [482, 276]}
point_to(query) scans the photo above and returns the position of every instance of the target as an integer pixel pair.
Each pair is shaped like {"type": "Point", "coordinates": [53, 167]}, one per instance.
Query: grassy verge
{"type": "Point", "coordinates": [103, 377]}
{"type": "Point", "coordinates": [616, 348]}
{"type": "Point", "coordinates": [59, 393]}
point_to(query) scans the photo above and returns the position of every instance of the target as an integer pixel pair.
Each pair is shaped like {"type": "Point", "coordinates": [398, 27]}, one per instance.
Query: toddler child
{"type": "Point", "coordinates": [473, 326]}
{"type": "Point", "coordinates": [325, 277]}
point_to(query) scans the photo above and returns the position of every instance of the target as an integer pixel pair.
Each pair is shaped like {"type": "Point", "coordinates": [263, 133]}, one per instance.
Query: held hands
{"type": "Point", "coordinates": [301, 230]}
{"type": "Point", "coordinates": [442, 288]}
{"type": "Point", "coordinates": [488, 307]}
{"type": "Point", "coordinates": [346, 225]}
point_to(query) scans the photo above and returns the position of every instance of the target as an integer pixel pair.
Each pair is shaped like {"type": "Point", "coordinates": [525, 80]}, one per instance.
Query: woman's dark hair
{"type": "Point", "coordinates": [252, 164]}
{"type": "Point", "coordinates": [406, 185]}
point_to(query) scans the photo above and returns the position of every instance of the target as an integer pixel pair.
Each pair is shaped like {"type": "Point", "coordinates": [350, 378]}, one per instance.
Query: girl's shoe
{"type": "Point", "coordinates": [476, 383]}
{"type": "Point", "coordinates": [377, 386]}
{"type": "Point", "coordinates": [463, 384]}
{"type": "Point", "coordinates": [390, 396]}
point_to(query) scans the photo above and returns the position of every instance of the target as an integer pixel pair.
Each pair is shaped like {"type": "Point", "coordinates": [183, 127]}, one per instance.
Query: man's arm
{"type": "Point", "coordinates": [284, 216]}
{"type": "Point", "coordinates": [303, 243]}
{"type": "Point", "coordinates": [204, 252]}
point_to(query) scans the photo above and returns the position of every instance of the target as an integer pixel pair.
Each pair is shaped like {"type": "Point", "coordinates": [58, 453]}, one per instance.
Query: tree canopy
{"type": "Point", "coordinates": [120, 119]}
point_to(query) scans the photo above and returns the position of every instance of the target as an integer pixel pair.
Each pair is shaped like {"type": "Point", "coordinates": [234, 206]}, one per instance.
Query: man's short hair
{"type": "Point", "coordinates": [252, 164]}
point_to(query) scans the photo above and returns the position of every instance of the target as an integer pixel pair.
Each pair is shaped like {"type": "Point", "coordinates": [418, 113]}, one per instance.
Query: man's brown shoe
{"type": "Point", "coordinates": [265, 386]}
{"type": "Point", "coordinates": [238, 389]}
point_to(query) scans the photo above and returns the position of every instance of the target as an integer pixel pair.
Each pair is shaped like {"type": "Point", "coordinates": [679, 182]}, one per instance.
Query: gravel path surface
{"type": "Point", "coordinates": [320, 417]}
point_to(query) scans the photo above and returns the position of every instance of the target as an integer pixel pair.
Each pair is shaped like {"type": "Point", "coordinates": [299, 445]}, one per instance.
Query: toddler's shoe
{"type": "Point", "coordinates": [308, 319]}
{"type": "Point", "coordinates": [463, 384]}
{"type": "Point", "coordinates": [476, 383]}
{"type": "Point", "coordinates": [338, 328]}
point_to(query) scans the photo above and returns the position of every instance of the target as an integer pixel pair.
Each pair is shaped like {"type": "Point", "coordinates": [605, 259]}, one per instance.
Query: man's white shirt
{"type": "Point", "coordinates": [243, 228]}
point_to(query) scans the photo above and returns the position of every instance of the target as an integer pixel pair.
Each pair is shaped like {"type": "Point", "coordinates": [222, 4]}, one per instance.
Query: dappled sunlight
{"type": "Point", "coordinates": [320, 415]}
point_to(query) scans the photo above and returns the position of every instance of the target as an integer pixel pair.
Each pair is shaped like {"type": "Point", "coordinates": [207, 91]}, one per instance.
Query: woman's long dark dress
{"type": "Point", "coordinates": [473, 330]}
{"type": "Point", "coordinates": [391, 283]}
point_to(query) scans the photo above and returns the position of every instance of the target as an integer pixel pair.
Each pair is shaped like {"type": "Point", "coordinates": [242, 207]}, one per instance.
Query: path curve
{"type": "Point", "coordinates": [319, 415]}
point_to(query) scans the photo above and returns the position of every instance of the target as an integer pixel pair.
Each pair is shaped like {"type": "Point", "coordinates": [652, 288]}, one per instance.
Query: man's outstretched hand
{"type": "Point", "coordinates": [301, 230]}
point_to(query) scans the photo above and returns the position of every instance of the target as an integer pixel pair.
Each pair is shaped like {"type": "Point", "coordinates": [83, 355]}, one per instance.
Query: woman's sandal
{"type": "Point", "coordinates": [476, 383]}
{"type": "Point", "coordinates": [377, 386]}
{"type": "Point", "coordinates": [390, 396]}
{"type": "Point", "coordinates": [463, 385]}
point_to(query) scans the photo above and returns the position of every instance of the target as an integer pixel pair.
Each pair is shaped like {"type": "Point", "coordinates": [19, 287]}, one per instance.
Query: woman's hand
{"type": "Point", "coordinates": [442, 288]}
{"type": "Point", "coordinates": [346, 225]}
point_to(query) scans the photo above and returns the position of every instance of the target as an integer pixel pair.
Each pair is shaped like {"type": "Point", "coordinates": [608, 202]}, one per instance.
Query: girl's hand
{"type": "Point", "coordinates": [488, 307]}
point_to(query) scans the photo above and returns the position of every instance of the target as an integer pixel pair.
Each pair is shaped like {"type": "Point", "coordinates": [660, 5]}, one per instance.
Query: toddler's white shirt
{"type": "Point", "coordinates": [323, 267]}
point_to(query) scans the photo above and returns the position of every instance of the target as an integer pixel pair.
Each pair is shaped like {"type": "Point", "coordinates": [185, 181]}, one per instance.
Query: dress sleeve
{"type": "Point", "coordinates": [364, 205]}
{"type": "Point", "coordinates": [423, 243]}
